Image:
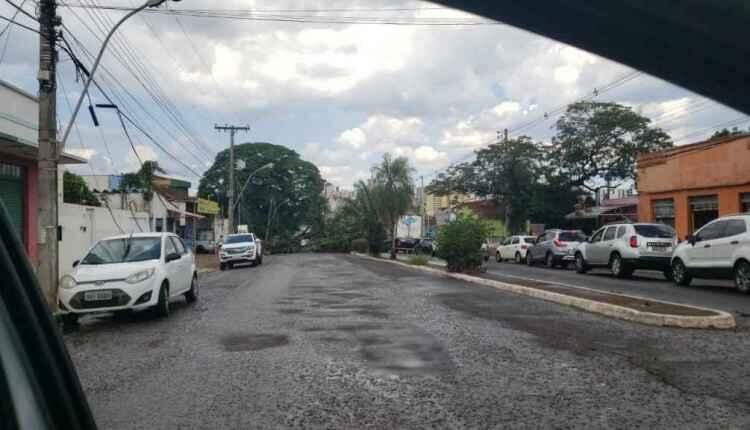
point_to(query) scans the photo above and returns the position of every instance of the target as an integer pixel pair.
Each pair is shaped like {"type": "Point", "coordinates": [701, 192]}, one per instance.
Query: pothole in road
{"type": "Point", "coordinates": [253, 342]}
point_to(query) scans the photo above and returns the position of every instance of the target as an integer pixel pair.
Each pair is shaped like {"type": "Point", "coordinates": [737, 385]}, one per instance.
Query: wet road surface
{"type": "Point", "coordinates": [326, 341]}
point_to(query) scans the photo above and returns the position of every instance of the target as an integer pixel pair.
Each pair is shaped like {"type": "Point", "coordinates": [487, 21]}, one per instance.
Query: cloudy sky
{"type": "Point", "coordinates": [321, 78]}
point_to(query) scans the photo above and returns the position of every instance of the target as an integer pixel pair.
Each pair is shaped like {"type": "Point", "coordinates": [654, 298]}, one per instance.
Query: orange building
{"type": "Point", "coordinates": [690, 185]}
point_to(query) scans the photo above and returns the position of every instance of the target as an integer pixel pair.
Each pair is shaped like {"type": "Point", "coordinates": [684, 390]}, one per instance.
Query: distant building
{"type": "Point", "coordinates": [690, 185]}
{"type": "Point", "coordinates": [434, 204]}
{"type": "Point", "coordinates": [335, 195]}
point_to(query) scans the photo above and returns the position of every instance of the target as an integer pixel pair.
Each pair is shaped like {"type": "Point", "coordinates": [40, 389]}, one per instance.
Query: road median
{"type": "Point", "coordinates": [626, 307]}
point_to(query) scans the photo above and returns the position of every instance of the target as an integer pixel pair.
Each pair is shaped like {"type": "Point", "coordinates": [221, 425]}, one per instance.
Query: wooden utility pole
{"type": "Point", "coordinates": [232, 129]}
{"type": "Point", "coordinates": [49, 154]}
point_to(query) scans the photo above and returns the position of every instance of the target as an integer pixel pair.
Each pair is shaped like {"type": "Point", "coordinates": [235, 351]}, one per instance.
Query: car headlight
{"type": "Point", "coordinates": [140, 276]}
{"type": "Point", "coordinates": [67, 282]}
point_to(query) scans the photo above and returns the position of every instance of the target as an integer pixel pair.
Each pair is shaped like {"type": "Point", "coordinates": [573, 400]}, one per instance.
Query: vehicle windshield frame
{"type": "Point", "coordinates": [128, 242]}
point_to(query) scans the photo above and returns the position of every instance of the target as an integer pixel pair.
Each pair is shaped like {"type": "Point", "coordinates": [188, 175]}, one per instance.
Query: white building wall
{"type": "Point", "coordinates": [18, 113]}
{"type": "Point", "coordinates": [82, 226]}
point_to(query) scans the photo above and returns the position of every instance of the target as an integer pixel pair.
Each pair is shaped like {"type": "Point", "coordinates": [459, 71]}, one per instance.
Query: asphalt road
{"type": "Point", "coordinates": [324, 341]}
{"type": "Point", "coordinates": [716, 294]}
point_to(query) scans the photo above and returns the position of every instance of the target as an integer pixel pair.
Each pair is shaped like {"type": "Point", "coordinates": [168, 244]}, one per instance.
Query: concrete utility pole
{"type": "Point", "coordinates": [49, 153]}
{"type": "Point", "coordinates": [424, 205]}
{"type": "Point", "coordinates": [507, 206]}
{"type": "Point", "coordinates": [232, 129]}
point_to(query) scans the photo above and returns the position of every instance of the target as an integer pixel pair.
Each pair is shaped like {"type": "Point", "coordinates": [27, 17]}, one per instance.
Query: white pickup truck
{"type": "Point", "coordinates": [240, 248]}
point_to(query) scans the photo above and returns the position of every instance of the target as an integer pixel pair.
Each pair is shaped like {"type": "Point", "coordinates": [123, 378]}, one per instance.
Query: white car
{"type": "Point", "coordinates": [514, 248]}
{"type": "Point", "coordinates": [719, 250]}
{"type": "Point", "coordinates": [240, 248]}
{"type": "Point", "coordinates": [129, 272]}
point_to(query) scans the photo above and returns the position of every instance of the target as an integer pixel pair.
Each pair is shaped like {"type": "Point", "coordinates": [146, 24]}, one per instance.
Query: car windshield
{"type": "Point", "coordinates": [124, 250]}
{"type": "Point", "coordinates": [655, 230]}
{"type": "Point", "coordinates": [239, 238]}
{"type": "Point", "coordinates": [571, 236]}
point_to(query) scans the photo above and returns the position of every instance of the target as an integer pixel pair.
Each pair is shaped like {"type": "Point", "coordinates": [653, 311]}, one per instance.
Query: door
{"type": "Point", "coordinates": [172, 267]}
{"type": "Point", "coordinates": [510, 249]}
{"type": "Point", "coordinates": [184, 264]}
{"type": "Point", "coordinates": [701, 254]}
{"type": "Point", "coordinates": [722, 248]}
{"type": "Point", "coordinates": [11, 194]}
{"type": "Point", "coordinates": [539, 248]}
{"type": "Point", "coordinates": [594, 250]}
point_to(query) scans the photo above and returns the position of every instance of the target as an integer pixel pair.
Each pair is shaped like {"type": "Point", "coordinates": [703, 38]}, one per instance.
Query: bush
{"type": "Point", "coordinates": [417, 260]}
{"type": "Point", "coordinates": [376, 239]}
{"type": "Point", "coordinates": [360, 245]}
{"type": "Point", "coordinates": [460, 242]}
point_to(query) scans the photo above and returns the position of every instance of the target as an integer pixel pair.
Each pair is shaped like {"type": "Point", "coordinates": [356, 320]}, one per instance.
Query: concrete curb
{"type": "Point", "coordinates": [723, 320]}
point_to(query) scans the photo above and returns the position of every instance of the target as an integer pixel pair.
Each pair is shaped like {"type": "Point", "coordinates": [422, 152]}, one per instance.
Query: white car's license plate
{"type": "Point", "coordinates": [97, 296]}
{"type": "Point", "coordinates": [660, 248]}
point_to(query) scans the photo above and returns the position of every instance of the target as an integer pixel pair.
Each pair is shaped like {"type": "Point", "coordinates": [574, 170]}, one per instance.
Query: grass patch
{"type": "Point", "coordinates": [417, 260]}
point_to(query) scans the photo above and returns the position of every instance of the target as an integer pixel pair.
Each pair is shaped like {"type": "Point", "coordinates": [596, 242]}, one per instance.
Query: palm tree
{"type": "Point", "coordinates": [392, 193]}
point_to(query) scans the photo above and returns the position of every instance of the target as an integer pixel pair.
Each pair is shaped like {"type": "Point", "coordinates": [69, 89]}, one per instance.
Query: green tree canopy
{"type": "Point", "coordinates": [391, 193]}
{"type": "Point", "coordinates": [285, 200]}
{"type": "Point", "coordinates": [725, 132]}
{"type": "Point", "coordinates": [75, 190]}
{"type": "Point", "coordinates": [505, 172]}
{"type": "Point", "coordinates": [596, 140]}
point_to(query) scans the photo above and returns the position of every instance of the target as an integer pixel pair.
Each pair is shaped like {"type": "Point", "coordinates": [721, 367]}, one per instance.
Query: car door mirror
{"type": "Point", "coordinates": [75, 263]}
{"type": "Point", "coordinates": [172, 257]}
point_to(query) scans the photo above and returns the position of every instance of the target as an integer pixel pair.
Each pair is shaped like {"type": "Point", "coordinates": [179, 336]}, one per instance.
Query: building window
{"type": "Point", "coordinates": [703, 209]}
{"type": "Point", "coordinates": [664, 211]}
{"type": "Point", "coordinates": [745, 202]}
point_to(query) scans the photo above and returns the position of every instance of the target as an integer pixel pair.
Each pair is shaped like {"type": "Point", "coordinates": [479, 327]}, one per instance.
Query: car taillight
{"type": "Point", "coordinates": [558, 243]}
{"type": "Point", "coordinates": [634, 241]}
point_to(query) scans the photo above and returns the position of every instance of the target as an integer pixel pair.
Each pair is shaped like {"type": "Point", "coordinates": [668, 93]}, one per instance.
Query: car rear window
{"type": "Point", "coordinates": [655, 230]}
{"type": "Point", "coordinates": [571, 236]}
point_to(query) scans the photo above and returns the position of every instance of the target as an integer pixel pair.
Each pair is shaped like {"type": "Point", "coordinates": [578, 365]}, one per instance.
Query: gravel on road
{"type": "Point", "coordinates": [331, 341]}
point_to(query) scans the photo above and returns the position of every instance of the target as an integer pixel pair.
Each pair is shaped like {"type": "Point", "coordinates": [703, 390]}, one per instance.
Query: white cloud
{"type": "Point", "coordinates": [353, 137]}
{"type": "Point", "coordinates": [506, 107]}
{"type": "Point", "coordinates": [86, 153]}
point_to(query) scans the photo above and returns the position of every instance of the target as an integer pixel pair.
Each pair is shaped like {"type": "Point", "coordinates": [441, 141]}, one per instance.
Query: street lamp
{"type": "Point", "coordinates": [148, 3]}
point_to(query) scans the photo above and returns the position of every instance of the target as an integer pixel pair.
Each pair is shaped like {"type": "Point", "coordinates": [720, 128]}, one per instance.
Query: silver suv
{"type": "Point", "coordinates": [555, 247]}
{"type": "Point", "coordinates": [628, 247]}
{"type": "Point", "coordinates": [721, 249]}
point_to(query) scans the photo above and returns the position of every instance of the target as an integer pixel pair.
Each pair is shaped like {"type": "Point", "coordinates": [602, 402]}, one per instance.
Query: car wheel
{"type": "Point", "coordinates": [222, 266]}
{"type": "Point", "coordinates": [192, 294]}
{"type": "Point", "coordinates": [581, 266]}
{"type": "Point", "coordinates": [230, 266]}
{"type": "Point", "coordinates": [162, 305]}
{"type": "Point", "coordinates": [529, 259]}
{"type": "Point", "coordinates": [668, 275]}
{"type": "Point", "coordinates": [260, 259]}
{"type": "Point", "coordinates": [549, 260]}
{"type": "Point", "coordinates": [742, 276]}
{"type": "Point", "coordinates": [498, 258]}
{"type": "Point", "coordinates": [618, 267]}
{"type": "Point", "coordinates": [680, 273]}
{"type": "Point", "coordinates": [519, 260]}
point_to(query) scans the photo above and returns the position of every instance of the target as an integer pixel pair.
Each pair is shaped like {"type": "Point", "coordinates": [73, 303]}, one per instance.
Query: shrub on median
{"type": "Point", "coordinates": [417, 260]}
{"type": "Point", "coordinates": [460, 242]}
{"type": "Point", "coordinates": [360, 245]}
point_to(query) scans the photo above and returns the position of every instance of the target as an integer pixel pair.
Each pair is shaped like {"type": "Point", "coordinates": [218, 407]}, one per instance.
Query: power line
{"type": "Point", "coordinates": [730, 123]}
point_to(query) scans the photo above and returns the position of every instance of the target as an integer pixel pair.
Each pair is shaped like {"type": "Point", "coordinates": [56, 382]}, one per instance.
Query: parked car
{"type": "Point", "coordinates": [426, 246]}
{"type": "Point", "coordinates": [489, 246]}
{"type": "Point", "coordinates": [555, 247]}
{"type": "Point", "coordinates": [514, 248]}
{"type": "Point", "coordinates": [628, 247]}
{"type": "Point", "coordinates": [240, 248]}
{"type": "Point", "coordinates": [720, 250]}
{"type": "Point", "coordinates": [129, 272]}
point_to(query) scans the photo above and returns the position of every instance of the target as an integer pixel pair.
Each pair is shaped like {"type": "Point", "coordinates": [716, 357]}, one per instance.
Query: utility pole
{"type": "Point", "coordinates": [49, 153]}
{"type": "Point", "coordinates": [424, 205]}
{"type": "Point", "coordinates": [232, 129]}
{"type": "Point", "coordinates": [507, 206]}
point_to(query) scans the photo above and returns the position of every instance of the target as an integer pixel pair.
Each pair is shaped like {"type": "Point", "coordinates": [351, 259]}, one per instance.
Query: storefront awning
{"type": "Point", "coordinates": [21, 148]}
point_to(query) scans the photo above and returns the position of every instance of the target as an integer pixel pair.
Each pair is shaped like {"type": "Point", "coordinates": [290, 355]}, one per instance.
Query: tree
{"type": "Point", "coordinates": [600, 141]}
{"type": "Point", "coordinates": [75, 190]}
{"type": "Point", "coordinates": [725, 132]}
{"type": "Point", "coordinates": [505, 172]}
{"type": "Point", "coordinates": [141, 180]}
{"type": "Point", "coordinates": [286, 199]}
{"type": "Point", "coordinates": [391, 193]}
